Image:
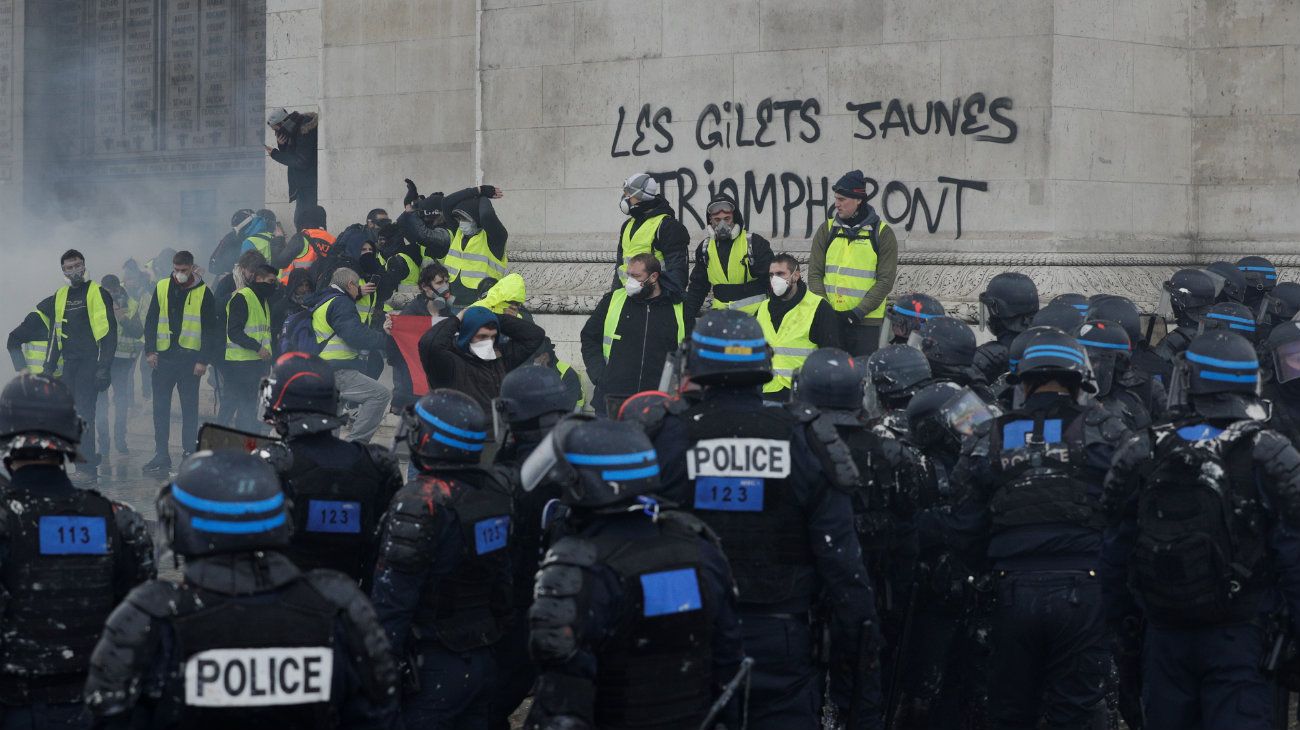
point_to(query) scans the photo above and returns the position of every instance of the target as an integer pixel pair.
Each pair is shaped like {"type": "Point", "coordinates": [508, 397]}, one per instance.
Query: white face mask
{"type": "Point", "coordinates": [181, 278]}
{"type": "Point", "coordinates": [468, 228]}
{"type": "Point", "coordinates": [633, 287]}
{"type": "Point", "coordinates": [779, 286]}
{"type": "Point", "coordinates": [484, 349]}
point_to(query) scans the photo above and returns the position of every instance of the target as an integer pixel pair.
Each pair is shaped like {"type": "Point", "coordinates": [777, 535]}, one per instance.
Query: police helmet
{"type": "Point", "coordinates": [1261, 275]}
{"type": "Point", "coordinates": [224, 502]}
{"type": "Point", "coordinates": [1049, 353]}
{"type": "Point", "coordinates": [829, 380]}
{"type": "Point", "coordinates": [1221, 361]}
{"type": "Point", "coordinates": [1008, 302]}
{"type": "Point", "coordinates": [727, 347]}
{"type": "Point", "coordinates": [1187, 294]}
{"type": "Point", "coordinates": [1233, 316]}
{"type": "Point", "coordinates": [1120, 310]}
{"type": "Point", "coordinates": [646, 410]}
{"type": "Point", "coordinates": [300, 395]}
{"type": "Point", "coordinates": [1285, 300]}
{"type": "Point", "coordinates": [1284, 349]}
{"type": "Point", "coordinates": [948, 341]}
{"type": "Point", "coordinates": [906, 315]}
{"type": "Point", "coordinates": [445, 426]}
{"type": "Point", "coordinates": [37, 414]}
{"type": "Point", "coordinates": [894, 372]}
{"type": "Point", "coordinates": [1109, 351]}
{"type": "Point", "coordinates": [944, 414]}
{"type": "Point", "coordinates": [1060, 315]}
{"type": "Point", "coordinates": [598, 464]}
{"type": "Point", "coordinates": [532, 391]}
{"type": "Point", "coordinates": [1231, 283]}
{"type": "Point", "coordinates": [1074, 299]}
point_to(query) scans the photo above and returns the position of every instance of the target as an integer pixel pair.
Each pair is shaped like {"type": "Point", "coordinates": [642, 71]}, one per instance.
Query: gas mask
{"type": "Point", "coordinates": [625, 205]}
{"type": "Point", "coordinates": [77, 275]}
{"type": "Point", "coordinates": [723, 230]}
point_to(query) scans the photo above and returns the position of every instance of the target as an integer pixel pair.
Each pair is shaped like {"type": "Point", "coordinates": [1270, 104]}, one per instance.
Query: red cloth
{"type": "Point", "coordinates": [407, 331]}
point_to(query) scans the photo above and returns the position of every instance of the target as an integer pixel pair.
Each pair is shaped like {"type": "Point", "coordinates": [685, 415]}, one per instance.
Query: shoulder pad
{"type": "Point", "coordinates": [368, 644]}
{"type": "Point", "coordinates": [803, 412]}
{"type": "Point", "coordinates": [408, 528]}
{"type": "Point", "coordinates": [123, 651]}
{"type": "Point", "coordinates": [137, 540]}
{"type": "Point", "coordinates": [1269, 443]}
{"type": "Point", "coordinates": [843, 469]}
{"type": "Point", "coordinates": [383, 458]}
{"type": "Point", "coordinates": [1102, 424]}
{"type": "Point", "coordinates": [163, 599]}
{"type": "Point", "coordinates": [688, 523]}
{"type": "Point", "coordinates": [571, 551]}
{"type": "Point", "coordinates": [278, 454]}
{"type": "Point", "coordinates": [129, 522]}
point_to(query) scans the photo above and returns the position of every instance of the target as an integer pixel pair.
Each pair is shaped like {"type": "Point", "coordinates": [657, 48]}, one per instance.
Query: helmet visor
{"type": "Point", "coordinates": [871, 405]}
{"type": "Point", "coordinates": [539, 463]}
{"type": "Point", "coordinates": [1286, 361]}
{"type": "Point", "coordinates": [985, 315]}
{"type": "Point", "coordinates": [1219, 280]}
{"type": "Point", "coordinates": [914, 339]}
{"type": "Point", "coordinates": [963, 413]}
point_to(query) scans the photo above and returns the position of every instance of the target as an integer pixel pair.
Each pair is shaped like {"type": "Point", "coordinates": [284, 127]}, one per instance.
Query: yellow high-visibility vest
{"type": "Point", "coordinates": [335, 347]}
{"type": "Point", "coordinates": [735, 270]}
{"type": "Point", "coordinates": [36, 352]}
{"type": "Point", "coordinates": [791, 343]}
{"type": "Point", "coordinates": [851, 267]}
{"type": "Point", "coordinates": [470, 262]}
{"type": "Point", "coordinates": [191, 317]}
{"type": "Point", "coordinates": [257, 327]}
{"type": "Point", "coordinates": [643, 241]}
{"type": "Point", "coordinates": [564, 369]}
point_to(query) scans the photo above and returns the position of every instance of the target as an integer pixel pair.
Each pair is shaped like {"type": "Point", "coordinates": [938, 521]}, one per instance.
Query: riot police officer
{"type": "Point", "coordinates": [338, 489]}
{"type": "Point", "coordinates": [634, 623]}
{"type": "Point", "coordinates": [1187, 295]}
{"type": "Point", "coordinates": [1109, 353]}
{"type": "Point", "coordinates": [1148, 372]}
{"type": "Point", "coordinates": [906, 315]}
{"type": "Point", "coordinates": [893, 374]}
{"type": "Point", "coordinates": [533, 399]}
{"type": "Point", "coordinates": [949, 346]}
{"type": "Point", "coordinates": [890, 478]}
{"type": "Point", "coordinates": [943, 678]}
{"type": "Point", "coordinates": [1073, 299]}
{"type": "Point", "coordinates": [443, 583]}
{"type": "Point", "coordinates": [1060, 315]}
{"type": "Point", "coordinates": [1035, 476]}
{"type": "Point", "coordinates": [1230, 284]}
{"type": "Point", "coordinates": [246, 639]}
{"type": "Point", "coordinates": [1282, 386]}
{"type": "Point", "coordinates": [1261, 278]}
{"type": "Point", "coordinates": [67, 556]}
{"type": "Point", "coordinates": [779, 497]}
{"type": "Point", "coordinates": [1202, 543]}
{"type": "Point", "coordinates": [1007, 305]}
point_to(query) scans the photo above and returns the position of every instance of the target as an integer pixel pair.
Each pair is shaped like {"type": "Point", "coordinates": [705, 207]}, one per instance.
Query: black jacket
{"type": "Point", "coordinates": [671, 241]}
{"type": "Point", "coordinates": [79, 339]}
{"type": "Point", "coordinates": [238, 321]}
{"type": "Point", "coordinates": [448, 366]}
{"type": "Point", "coordinates": [648, 333]}
{"type": "Point", "coordinates": [213, 344]}
{"type": "Point", "coordinates": [299, 155]}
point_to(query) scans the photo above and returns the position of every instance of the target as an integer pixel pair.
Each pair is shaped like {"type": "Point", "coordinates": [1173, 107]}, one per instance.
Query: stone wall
{"type": "Point", "coordinates": [1095, 144]}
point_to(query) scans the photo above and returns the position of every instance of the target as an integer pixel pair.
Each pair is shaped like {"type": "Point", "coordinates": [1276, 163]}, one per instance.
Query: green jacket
{"type": "Point", "coordinates": [886, 265]}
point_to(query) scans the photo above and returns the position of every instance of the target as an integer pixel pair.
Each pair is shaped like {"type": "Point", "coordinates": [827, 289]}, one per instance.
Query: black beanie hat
{"type": "Point", "coordinates": [853, 184]}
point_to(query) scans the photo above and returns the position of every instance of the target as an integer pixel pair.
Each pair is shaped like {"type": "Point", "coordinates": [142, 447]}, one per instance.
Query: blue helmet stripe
{"type": "Point", "coordinates": [1226, 377]}
{"type": "Point", "coordinates": [719, 342]}
{"type": "Point", "coordinates": [1243, 327]}
{"type": "Point", "coordinates": [1081, 307]}
{"type": "Point", "coordinates": [1216, 362]}
{"type": "Point", "coordinates": [1267, 269]}
{"type": "Point", "coordinates": [1059, 355]}
{"type": "Point", "coordinates": [439, 423]}
{"type": "Point", "coordinates": [1230, 318]}
{"type": "Point", "coordinates": [226, 508]}
{"type": "Point", "coordinates": [1053, 348]}
{"type": "Point", "coordinates": [609, 459]}
{"type": "Point", "coordinates": [1103, 345]}
{"type": "Point", "coordinates": [729, 357]}
{"type": "Point", "coordinates": [227, 527]}
{"type": "Point", "coordinates": [456, 443]}
{"type": "Point", "coordinates": [642, 473]}
{"type": "Point", "coordinates": [914, 313]}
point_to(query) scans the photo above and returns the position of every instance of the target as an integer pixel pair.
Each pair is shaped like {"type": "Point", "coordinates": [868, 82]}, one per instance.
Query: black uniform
{"type": "Point", "coordinates": [67, 556]}
{"type": "Point", "coordinates": [788, 531]}
{"type": "Point", "coordinates": [248, 640]}
{"type": "Point", "coordinates": [339, 490]}
{"type": "Point", "coordinates": [1035, 476]}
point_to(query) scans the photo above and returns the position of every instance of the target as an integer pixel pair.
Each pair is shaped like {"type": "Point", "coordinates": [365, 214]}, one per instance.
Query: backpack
{"type": "Point", "coordinates": [298, 335]}
{"type": "Point", "coordinates": [1200, 543]}
{"type": "Point", "coordinates": [226, 254]}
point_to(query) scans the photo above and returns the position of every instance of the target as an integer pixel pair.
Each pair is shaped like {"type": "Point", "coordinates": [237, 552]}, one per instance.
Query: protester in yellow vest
{"type": "Point", "coordinates": [248, 350]}
{"type": "Point", "coordinates": [853, 263]}
{"type": "Point", "coordinates": [79, 332]}
{"type": "Point", "coordinates": [651, 228]}
{"type": "Point", "coordinates": [628, 337]}
{"type": "Point", "coordinates": [795, 322]}
{"type": "Point", "coordinates": [182, 336]}
{"type": "Point", "coordinates": [731, 263]}
{"type": "Point", "coordinates": [477, 250]}
{"type": "Point", "coordinates": [130, 340]}
{"type": "Point", "coordinates": [569, 375]}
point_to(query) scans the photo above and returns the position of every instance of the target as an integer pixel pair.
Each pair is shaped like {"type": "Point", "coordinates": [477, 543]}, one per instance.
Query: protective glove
{"type": "Point", "coordinates": [412, 194]}
{"type": "Point", "coordinates": [487, 191]}
{"type": "Point", "coordinates": [849, 317]}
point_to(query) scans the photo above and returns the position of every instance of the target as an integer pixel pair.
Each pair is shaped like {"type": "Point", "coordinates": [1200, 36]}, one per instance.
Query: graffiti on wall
{"type": "Point", "coordinates": [791, 202]}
